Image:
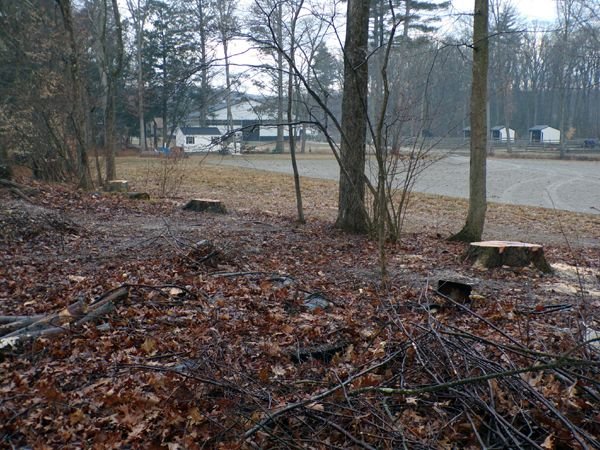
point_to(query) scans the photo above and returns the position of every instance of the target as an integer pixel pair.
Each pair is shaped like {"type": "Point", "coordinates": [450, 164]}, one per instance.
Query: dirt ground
{"type": "Point", "coordinates": [208, 350]}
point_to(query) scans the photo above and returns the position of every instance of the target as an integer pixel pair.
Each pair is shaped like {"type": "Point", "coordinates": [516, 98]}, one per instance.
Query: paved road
{"type": "Point", "coordinates": [568, 185]}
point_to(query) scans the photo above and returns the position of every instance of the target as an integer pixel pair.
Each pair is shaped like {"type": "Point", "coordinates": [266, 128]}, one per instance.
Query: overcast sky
{"type": "Point", "coordinates": [529, 9]}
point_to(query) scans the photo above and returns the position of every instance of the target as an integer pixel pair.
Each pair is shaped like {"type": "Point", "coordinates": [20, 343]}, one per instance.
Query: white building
{"type": "Point", "coordinates": [198, 139]}
{"type": "Point", "coordinates": [253, 118]}
{"type": "Point", "coordinates": [503, 134]}
{"type": "Point", "coordinates": [543, 134]}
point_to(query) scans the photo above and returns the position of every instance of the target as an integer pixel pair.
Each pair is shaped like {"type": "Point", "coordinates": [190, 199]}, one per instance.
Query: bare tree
{"type": "Point", "coordinates": [204, 17]}
{"type": "Point", "coordinates": [352, 215]}
{"type": "Point", "coordinates": [80, 115]}
{"type": "Point", "coordinates": [279, 32]}
{"type": "Point", "coordinates": [568, 11]}
{"type": "Point", "coordinates": [227, 27]}
{"type": "Point", "coordinates": [110, 65]}
{"type": "Point", "coordinates": [473, 229]}
{"type": "Point", "coordinates": [504, 43]}
{"type": "Point", "coordinates": [139, 13]}
{"type": "Point", "coordinates": [296, 8]}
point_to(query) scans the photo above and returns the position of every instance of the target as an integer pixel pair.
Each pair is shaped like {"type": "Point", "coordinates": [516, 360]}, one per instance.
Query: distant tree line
{"type": "Point", "coordinates": [77, 78]}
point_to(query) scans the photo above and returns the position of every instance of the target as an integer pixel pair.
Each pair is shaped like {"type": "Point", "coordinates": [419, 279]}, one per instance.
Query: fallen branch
{"type": "Point", "coordinates": [465, 381]}
{"type": "Point", "coordinates": [236, 274]}
{"type": "Point", "coordinates": [10, 319]}
{"type": "Point", "coordinates": [78, 313]}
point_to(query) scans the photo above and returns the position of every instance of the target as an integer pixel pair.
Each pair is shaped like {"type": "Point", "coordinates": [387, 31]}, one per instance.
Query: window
{"type": "Point", "coordinates": [189, 140]}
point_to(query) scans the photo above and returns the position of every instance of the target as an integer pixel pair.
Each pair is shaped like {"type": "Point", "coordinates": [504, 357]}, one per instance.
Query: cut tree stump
{"type": "Point", "coordinates": [117, 186]}
{"type": "Point", "coordinates": [491, 254]}
{"type": "Point", "coordinates": [203, 204]}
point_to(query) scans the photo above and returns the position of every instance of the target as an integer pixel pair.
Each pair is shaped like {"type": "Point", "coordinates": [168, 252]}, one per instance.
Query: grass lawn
{"type": "Point", "coordinates": [248, 189]}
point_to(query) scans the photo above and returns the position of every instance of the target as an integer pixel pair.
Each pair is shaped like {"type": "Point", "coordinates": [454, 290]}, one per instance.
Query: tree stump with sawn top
{"type": "Point", "coordinates": [117, 186]}
{"type": "Point", "coordinates": [203, 204]}
{"type": "Point", "coordinates": [490, 254]}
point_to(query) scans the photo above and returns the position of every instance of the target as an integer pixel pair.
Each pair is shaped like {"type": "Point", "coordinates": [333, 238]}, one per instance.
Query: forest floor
{"type": "Point", "coordinates": [247, 330]}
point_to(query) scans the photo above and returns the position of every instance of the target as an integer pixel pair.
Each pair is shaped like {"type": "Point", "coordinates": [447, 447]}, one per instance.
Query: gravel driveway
{"type": "Point", "coordinates": [568, 185]}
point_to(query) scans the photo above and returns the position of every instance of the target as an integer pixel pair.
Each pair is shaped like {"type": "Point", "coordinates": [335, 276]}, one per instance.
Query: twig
{"type": "Point", "coordinates": [471, 380]}
{"type": "Point", "coordinates": [236, 274]}
{"type": "Point", "coordinates": [346, 433]}
{"type": "Point", "coordinates": [545, 309]}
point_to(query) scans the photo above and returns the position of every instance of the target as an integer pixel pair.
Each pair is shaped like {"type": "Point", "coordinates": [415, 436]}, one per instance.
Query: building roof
{"type": "Point", "coordinates": [200, 131]}
{"type": "Point", "coordinates": [539, 127]}
{"type": "Point", "coordinates": [500, 127]}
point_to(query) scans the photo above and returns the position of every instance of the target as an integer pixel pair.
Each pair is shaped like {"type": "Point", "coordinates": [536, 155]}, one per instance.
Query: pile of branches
{"type": "Point", "coordinates": [429, 386]}
{"type": "Point", "coordinates": [21, 219]}
{"type": "Point", "coordinates": [441, 388]}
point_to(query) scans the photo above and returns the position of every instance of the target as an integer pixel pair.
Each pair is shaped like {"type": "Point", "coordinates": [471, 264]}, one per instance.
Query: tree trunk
{"type": "Point", "coordinates": [111, 170]}
{"type": "Point", "coordinates": [280, 139]}
{"type": "Point", "coordinates": [80, 116]}
{"type": "Point", "coordinates": [352, 214]}
{"type": "Point", "coordinates": [228, 94]}
{"type": "Point", "coordinates": [202, 30]}
{"type": "Point", "coordinates": [291, 128]}
{"type": "Point", "coordinates": [473, 228]}
{"type": "Point", "coordinates": [508, 114]}
{"type": "Point", "coordinates": [140, 80]}
{"type": "Point", "coordinates": [113, 74]}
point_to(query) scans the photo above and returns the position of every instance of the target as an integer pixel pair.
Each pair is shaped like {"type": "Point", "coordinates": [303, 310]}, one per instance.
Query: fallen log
{"type": "Point", "coordinates": [76, 314]}
{"type": "Point", "coordinates": [20, 322]}
{"type": "Point", "coordinates": [490, 254]}
{"type": "Point", "coordinates": [63, 317]}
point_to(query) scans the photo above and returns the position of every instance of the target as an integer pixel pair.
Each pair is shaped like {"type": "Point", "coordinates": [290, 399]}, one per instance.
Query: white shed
{"type": "Point", "coordinates": [197, 139]}
{"type": "Point", "coordinates": [544, 134]}
{"type": "Point", "coordinates": [502, 133]}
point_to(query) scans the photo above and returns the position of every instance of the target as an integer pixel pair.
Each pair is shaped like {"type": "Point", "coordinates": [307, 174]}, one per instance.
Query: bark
{"type": "Point", "coordinates": [352, 216]}
{"type": "Point", "coordinates": [473, 229]}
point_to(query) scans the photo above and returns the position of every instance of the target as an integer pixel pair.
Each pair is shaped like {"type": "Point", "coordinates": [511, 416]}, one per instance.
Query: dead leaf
{"type": "Point", "coordinates": [548, 442]}
{"type": "Point", "coordinates": [75, 278]}
{"type": "Point", "coordinates": [149, 346]}
{"type": "Point", "coordinates": [76, 417]}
